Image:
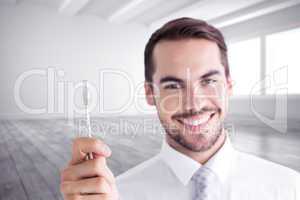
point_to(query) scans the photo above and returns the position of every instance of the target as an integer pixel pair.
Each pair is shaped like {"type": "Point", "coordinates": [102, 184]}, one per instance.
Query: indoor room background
{"type": "Point", "coordinates": [47, 47]}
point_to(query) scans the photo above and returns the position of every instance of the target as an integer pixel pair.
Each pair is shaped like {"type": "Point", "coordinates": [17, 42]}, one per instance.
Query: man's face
{"type": "Point", "coordinates": [190, 91]}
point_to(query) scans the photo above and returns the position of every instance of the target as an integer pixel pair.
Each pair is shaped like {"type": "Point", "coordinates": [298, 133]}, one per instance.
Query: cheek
{"type": "Point", "coordinates": [169, 103]}
{"type": "Point", "coordinates": [219, 96]}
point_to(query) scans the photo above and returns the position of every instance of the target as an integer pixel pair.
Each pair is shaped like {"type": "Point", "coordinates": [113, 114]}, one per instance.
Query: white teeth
{"type": "Point", "coordinates": [197, 122]}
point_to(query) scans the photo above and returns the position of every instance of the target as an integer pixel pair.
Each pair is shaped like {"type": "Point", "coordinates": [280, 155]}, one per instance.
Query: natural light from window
{"type": "Point", "coordinates": [244, 62]}
{"type": "Point", "coordinates": [283, 62]}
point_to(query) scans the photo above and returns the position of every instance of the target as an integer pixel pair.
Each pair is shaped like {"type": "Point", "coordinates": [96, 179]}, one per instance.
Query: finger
{"type": "Point", "coordinates": [71, 197]}
{"type": "Point", "coordinates": [90, 168]}
{"type": "Point", "coordinates": [97, 185]}
{"type": "Point", "coordinates": [88, 197]}
{"type": "Point", "coordinates": [84, 145]}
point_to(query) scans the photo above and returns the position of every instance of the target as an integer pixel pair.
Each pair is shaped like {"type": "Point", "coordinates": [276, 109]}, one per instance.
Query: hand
{"type": "Point", "coordinates": [88, 179]}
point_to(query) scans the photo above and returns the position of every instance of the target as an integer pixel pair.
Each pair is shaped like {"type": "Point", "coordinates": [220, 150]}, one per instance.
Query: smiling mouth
{"type": "Point", "coordinates": [196, 123]}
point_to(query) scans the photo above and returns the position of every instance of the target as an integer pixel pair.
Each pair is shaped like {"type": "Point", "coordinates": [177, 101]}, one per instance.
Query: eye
{"type": "Point", "coordinates": [173, 86]}
{"type": "Point", "coordinates": [208, 81]}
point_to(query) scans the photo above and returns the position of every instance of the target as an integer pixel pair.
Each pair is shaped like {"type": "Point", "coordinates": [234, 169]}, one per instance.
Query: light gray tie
{"type": "Point", "coordinates": [206, 185]}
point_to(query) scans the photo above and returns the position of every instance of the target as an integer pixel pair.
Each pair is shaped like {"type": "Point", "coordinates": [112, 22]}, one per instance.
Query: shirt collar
{"type": "Point", "coordinates": [184, 167]}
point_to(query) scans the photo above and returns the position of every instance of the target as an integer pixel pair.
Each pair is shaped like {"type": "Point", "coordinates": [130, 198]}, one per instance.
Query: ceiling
{"type": "Point", "coordinates": [156, 12]}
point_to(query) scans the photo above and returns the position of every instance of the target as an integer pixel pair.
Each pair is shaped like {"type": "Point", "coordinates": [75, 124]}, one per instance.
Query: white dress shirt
{"type": "Point", "coordinates": [167, 176]}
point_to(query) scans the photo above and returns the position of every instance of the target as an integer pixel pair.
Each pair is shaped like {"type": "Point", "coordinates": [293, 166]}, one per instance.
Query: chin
{"type": "Point", "coordinates": [199, 143]}
{"type": "Point", "coordinates": [196, 142]}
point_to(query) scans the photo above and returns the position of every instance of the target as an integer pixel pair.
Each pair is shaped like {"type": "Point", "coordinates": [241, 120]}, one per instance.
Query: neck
{"type": "Point", "coordinates": [201, 157]}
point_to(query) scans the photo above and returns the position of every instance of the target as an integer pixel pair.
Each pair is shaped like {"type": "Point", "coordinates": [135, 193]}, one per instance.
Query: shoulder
{"type": "Point", "coordinates": [142, 179]}
{"type": "Point", "coordinates": [267, 171]}
{"type": "Point", "coordinates": [140, 170]}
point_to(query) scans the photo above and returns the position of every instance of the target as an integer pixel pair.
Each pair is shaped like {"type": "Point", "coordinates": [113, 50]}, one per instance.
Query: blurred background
{"type": "Point", "coordinates": [48, 46]}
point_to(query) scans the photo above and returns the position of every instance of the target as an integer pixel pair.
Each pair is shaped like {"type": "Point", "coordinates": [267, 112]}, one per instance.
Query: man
{"type": "Point", "coordinates": [188, 80]}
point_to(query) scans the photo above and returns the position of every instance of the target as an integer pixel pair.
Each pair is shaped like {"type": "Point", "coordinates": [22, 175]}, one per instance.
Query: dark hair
{"type": "Point", "coordinates": [184, 28]}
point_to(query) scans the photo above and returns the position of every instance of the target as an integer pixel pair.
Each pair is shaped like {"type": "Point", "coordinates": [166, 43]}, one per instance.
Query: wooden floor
{"type": "Point", "coordinates": [32, 152]}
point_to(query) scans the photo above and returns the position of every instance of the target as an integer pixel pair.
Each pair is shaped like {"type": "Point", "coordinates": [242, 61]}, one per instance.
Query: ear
{"type": "Point", "coordinates": [149, 91]}
{"type": "Point", "coordinates": [229, 86]}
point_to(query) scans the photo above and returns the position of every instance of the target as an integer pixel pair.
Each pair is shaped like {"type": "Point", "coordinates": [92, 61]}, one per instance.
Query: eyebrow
{"type": "Point", "coordinates": [170, 79]}
{"type": "Point", "coordinates": [210, 73]}
{"type": "Point", "coordinates": [175, 79]}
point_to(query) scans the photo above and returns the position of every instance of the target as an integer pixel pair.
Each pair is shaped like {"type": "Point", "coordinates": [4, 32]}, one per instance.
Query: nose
{"type": "Point", "coordinates": [193, 98]}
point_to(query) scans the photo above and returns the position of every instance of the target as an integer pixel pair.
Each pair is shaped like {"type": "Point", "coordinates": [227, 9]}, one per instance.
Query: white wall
{"type": "Point", "coordinates": [274, 22]}
{"type": "Point", "coordinates": [266, 106]}
{"type": "Point", "coordinates": [34, 37]}
{"type": "Point", "coordinates": [281, 20]}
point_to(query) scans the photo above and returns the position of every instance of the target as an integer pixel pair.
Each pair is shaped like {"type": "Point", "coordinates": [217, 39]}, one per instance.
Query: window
{"type": "Point", "coordinates": [283, 61]}
{"type": "Point", "coordinates": [244, 63]}
{"type": "Point", "coordinates": [278, 64]}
